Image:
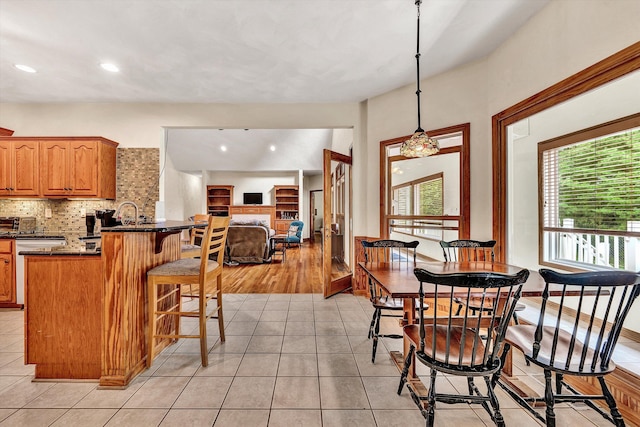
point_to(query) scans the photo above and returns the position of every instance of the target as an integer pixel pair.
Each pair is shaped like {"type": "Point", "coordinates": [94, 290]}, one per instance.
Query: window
{"type": "Point", "coordinates": [422, 197]}
{"type": "Point", "coordinates": [590, 196]}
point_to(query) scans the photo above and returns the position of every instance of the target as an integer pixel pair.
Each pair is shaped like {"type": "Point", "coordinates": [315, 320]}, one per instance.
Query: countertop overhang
{"type": "Point", "coordinates": [166, 226]}
{"type": "Point", "coordinates": [31, 236]}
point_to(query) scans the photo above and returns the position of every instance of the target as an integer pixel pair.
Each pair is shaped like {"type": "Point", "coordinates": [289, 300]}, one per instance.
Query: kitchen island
{"type": "Point", "coordinates": [99, 294]}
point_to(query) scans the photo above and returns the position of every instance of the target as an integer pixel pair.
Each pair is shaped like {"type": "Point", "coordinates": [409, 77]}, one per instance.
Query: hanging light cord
{"type": "Point", "coordinates": [418, 67]}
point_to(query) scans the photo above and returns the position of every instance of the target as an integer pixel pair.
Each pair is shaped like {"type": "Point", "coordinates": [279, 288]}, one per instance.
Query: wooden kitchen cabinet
{"type": "Point", "coordinates": [78, 167]}
{"type": "Point", "coordinates": [19, 171]}
{"type": "Point", "coordinates": [57, 167]}
{"type": "Point", "coordinates": [63, 316]}
{"type": "Point", "coordinates": [7, 271]}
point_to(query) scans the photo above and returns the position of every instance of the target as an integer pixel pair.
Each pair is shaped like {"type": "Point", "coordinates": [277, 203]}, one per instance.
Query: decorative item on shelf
{"type": "Point", "coordinates": [420, 144]}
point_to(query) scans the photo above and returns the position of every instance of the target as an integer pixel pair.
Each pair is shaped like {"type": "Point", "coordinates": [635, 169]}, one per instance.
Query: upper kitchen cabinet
{"type": "Point", "coordinates": [19, 172]}
{"type": "Point", "coordinates": [78, 167]}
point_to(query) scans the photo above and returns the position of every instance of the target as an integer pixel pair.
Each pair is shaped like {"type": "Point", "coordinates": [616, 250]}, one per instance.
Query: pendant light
{"type": "Point", "coordinates": [419, 145]}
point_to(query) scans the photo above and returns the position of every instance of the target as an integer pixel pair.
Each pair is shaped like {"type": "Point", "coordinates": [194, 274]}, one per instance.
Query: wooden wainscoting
{"type": "Point", "coordinates": [624, 387]}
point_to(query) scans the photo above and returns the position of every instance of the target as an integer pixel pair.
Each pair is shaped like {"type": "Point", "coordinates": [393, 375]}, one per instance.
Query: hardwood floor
{"type": "Point", "coordinates": [300, 273]}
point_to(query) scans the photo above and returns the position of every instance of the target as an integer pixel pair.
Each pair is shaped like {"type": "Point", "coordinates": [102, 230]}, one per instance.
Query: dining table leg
{"type": "Point", "coordinates": [409, 319]}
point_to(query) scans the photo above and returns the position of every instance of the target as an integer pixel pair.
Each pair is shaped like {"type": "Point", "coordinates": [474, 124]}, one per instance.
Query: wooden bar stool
{"type": "Point", "coordinates": [206, 273]}
{"type": "Point", "coordinates": [192, 249]}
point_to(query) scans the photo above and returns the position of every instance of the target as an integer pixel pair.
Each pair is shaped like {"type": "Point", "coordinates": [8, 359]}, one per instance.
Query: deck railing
{"type": "Point", "coordinates": [619, 250]}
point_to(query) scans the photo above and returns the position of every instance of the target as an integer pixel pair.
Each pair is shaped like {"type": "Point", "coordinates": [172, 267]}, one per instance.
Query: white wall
{"type": "Point", "coordinates": [253, 182]}
{"type": "Point", "coordinates": [142, 125]}
{"type": "Point", "coordinates": [620, 97]}
{"type": "Point", "coordinates": [564, 38]}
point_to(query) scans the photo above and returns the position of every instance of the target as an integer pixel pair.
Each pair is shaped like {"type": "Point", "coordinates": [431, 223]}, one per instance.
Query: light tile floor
{"type": "Point", "coordinates": [289, 360]}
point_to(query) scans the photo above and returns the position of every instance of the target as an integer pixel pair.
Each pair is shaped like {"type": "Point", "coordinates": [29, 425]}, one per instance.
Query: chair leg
{"type": "Point", "coordinates": [559, 378]}
{"type": "Point", "coordinates": [373, 323]}
{"type": "Point", "coordinates": [608, 397]}
{"type": "Point", "coordinates": [549, 399]}
{"type": "Point", "coordinates": [431, 399]}
{"type": "Point", "coordinates": [497, 415]}
{"type": "Point", "coordinates": [219, 302]}
{"type": "Point", "coordinates": [405, 369]}
{"type": "Point", "coordinates": [496, 376]}
{"type": "Point", "coordinates": [202, 317]}
{"type": "Point", "coordinates": [151, 291]}
{"type": "Point", "coordinates": [458, 310]}
{"type": "Point", "coordinates": [376, 331]}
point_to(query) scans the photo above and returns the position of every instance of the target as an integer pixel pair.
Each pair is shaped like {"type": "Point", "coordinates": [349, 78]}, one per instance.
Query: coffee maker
{"type": "Point", "coordinates": [106, 217]}
{"type": "Point", "coordinates": [90, 220]}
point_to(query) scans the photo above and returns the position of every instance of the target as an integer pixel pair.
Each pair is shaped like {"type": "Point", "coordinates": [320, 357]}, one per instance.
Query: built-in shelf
{"type": "Point", "coordinates": [287, 206]}
{"type": "Point", "coordinates": [219, 198]}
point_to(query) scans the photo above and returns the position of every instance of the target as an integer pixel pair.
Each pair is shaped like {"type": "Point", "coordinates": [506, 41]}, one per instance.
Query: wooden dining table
{"type": "Point", "coordinates": [398, 280]}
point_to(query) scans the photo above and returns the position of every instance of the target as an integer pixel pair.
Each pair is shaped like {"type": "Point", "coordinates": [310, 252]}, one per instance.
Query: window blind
{"type": "Point", "coordinates": [593, 184]}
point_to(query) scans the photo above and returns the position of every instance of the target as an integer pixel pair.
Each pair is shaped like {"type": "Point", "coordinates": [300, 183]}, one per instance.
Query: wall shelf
{"type": "Point", "coordinates": [219, 198]}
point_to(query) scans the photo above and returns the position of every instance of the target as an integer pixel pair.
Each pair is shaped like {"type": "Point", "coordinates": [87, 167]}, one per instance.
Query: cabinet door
{"type": "Point", "coordinates": [5, 168]}
{"type": "Point", "coordinates": [55, 168]}
{"type": "Point", "coordinates": [26, 174]}
{"type": "Point", "coordinates": [83, 171]}
{"type": "Point", "coordinates": [7, 278]}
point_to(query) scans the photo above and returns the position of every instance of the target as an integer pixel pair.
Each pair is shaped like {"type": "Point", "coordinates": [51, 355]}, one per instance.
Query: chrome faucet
{"type": "Point", "coordinates": [123, 204]}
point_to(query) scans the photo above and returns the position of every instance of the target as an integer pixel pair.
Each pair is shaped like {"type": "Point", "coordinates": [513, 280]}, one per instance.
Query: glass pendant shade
{"type": "Point", "coordinates": [419, 145]}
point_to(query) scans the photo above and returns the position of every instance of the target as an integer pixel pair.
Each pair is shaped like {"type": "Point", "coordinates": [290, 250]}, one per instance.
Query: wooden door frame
{"type": "Point", "coordinates": [465, 176]}
{"type": "Point", "coordinates": [605, 71]}
{"type": "Point", "coordinates": [312, 232]}
{"type": "Point", "coordinates": [327, 283]}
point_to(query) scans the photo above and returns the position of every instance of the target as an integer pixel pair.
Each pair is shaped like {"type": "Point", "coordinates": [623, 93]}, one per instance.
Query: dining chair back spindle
{"type": "Point", "coordinates": [472, 250]}
{"type": "Point", "coordinates": [399, 254]}
{"type": "Point", "coordinates": [468, 250]}
{"type": "Point", "coordinates": [468, 345]}
{"type": "Point", "coordinates": [578, 345]}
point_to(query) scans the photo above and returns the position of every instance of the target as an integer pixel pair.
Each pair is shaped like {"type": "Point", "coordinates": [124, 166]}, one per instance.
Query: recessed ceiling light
{"type": "Point", "coordinates": [223, 148]}
{"type": "Point", "coordinates": [25, 68]}
{"type": "Point", "coordinates": [272, 148]}
{"type": "Point", "coordinates": [110, 67]}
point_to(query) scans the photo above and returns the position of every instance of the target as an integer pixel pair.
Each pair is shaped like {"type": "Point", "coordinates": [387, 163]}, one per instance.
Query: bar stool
{"type": "Point", "coordinates": [206, 273]}
{"type": "Point", "coordinates": [191, 249]}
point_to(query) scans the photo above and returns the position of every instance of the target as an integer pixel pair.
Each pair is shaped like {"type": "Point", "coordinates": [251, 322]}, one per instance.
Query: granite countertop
{"type": "Point", "coordinates": [32, 236]}
{"type": "Point", "coordinates": [83, 245]}
{"type": "Point", "coordinates": [63, 251]}
{"type": "Point", "coordinates": [153, 227]}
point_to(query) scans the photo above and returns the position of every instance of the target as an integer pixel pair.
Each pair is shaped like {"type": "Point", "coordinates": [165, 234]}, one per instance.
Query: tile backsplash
{"type": "Point", "coordinates": [137, 174]}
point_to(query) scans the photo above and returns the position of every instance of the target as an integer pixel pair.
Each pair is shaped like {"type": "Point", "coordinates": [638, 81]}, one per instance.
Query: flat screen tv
{"type": "Point", "coordinates": [252, 199]}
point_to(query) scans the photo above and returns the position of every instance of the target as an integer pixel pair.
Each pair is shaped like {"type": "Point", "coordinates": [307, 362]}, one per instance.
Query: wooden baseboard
{"type": "Point", "coordinates": [623, 384]}
{"type": "Point", "coordinates": [11, 305]}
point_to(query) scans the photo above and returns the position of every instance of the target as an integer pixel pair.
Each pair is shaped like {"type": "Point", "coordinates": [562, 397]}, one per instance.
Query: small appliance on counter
{"type": "Point", "coordinates": [106, 217]}
{"type": "Point", "coordinates": [90, 220]}
{"type": "Point", "coordinates": [17, 225]}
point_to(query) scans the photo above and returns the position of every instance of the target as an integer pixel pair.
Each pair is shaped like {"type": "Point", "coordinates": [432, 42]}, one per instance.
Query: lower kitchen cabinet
{"type": "Point", "coordinates": [63, 316]}
{"type": "Point", "coordinates": [7, 272]}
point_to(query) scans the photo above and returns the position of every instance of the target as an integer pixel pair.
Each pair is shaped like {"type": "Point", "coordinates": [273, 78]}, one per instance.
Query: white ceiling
{"type": "Point", "coordinates": [197, 150]}
{"type": "Point", "coordinates": [240, 51]}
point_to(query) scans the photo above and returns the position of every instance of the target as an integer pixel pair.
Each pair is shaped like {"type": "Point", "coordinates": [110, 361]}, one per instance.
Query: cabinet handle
{"type": "Point", "coordinates": [6, 261]}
